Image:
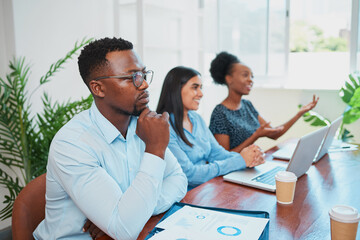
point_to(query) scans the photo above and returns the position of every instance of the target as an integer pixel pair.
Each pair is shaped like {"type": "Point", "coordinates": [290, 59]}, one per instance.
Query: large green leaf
{"type": "Point", "coordinates": [355, 81]}
{"type": "Point", "coordinates": [315, 119]}
{"type": "Point", "coordinates": [347, 91]}
{"type": "Point", "coordinates": [353, 113]}
{"type": "Point", "coordinates": [345, 135]}
{"type": "Point", "coordinates": [345, 95]}
{"type": "Point", "coordinates": [350, 94]}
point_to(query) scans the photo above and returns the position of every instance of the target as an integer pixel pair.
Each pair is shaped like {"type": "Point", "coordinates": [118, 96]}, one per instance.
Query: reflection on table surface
{"type": "Point", "coordinates": [335, 179]}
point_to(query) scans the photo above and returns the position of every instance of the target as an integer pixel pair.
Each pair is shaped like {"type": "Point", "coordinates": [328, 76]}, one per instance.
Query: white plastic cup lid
{"type": "Point", "coordinates": [285, 176]}
{"type": "Point", "coordinates": [343, 213]}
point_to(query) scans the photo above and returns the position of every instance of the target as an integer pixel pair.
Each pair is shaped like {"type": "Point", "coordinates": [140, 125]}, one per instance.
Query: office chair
{"type": "Point", "coordinates": [29, 210]}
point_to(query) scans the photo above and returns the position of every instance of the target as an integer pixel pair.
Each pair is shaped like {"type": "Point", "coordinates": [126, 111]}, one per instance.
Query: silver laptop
{"type": "Point", "coordinates": [329, 138]}
{"type": "Point", "coordinates": [287, 151]}
{"type": "Point", "coordinates": [263, 176]}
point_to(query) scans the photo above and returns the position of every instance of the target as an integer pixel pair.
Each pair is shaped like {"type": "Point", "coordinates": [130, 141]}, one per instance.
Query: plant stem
{"type": "Point", "coordinates": [24, 144]}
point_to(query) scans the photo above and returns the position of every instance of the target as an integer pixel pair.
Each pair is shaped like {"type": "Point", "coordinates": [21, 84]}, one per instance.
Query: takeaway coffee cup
{"type": "Point", "coordinates": [344, 222]}
{"type": "Point", "coordinates": [285, 187]}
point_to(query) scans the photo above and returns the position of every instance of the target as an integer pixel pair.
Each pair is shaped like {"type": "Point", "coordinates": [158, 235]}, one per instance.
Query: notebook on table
{"type": "Point", "coordinates": [287, 151]}
{"type": "Point", "coordinates": [263, 176]}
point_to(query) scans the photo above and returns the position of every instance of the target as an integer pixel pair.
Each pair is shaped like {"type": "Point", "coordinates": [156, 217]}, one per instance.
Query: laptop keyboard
{"type": "Point", "coordinates": [269, 176]}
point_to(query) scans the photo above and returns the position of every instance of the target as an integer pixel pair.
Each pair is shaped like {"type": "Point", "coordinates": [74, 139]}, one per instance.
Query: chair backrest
{"type": "Point", "coordinates": [29, 209]}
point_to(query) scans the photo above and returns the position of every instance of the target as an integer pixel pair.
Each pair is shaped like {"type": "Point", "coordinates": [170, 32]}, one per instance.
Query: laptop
{"type": "Point", "coordinates": [263, 176]}
{"type": "Point", "coordinates": [329, 137]}
{"type": "Point", "coordinates": [287, 151]}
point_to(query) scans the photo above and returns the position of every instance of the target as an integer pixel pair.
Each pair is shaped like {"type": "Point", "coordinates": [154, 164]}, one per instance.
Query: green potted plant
{"type": "Point", "coordinates": [25, 140]}
{"type": "Point", "coordinates": [350, 94]}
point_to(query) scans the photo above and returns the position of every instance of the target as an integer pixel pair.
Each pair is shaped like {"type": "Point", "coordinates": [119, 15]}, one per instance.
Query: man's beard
{"type": "Point", "coordinates": [136, 112]}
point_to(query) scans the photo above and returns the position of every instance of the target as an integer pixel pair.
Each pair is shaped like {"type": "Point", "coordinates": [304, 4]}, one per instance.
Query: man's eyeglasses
{"type": "Point", "coordinates": [137, 77]}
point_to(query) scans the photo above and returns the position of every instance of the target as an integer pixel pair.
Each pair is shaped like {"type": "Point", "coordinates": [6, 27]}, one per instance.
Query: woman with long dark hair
{"type": "Point", "coordinates": [192, 143]}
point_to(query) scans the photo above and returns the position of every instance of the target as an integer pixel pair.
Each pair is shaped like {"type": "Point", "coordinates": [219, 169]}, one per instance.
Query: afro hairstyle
{"type": "Point", "coordinates": [221, 66]}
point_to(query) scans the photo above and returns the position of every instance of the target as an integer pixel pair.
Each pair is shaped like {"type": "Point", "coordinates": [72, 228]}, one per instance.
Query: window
{"type": "Point", "coordinates": [256, 35]}
{"type": "Point", "coordinates": [294, 44]}
{"type": "Point", "coordinates": [169, 33]}
{"type": "Point", "coordinates": [287, 43]}
{"type": "Point", "coordinates": [319, 43]}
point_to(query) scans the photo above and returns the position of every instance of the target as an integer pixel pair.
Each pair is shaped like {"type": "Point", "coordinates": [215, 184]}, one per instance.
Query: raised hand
{"type": "Point", "coordinates": [309, 106]}
{"type": "Point", "coordinates": [253, 156]}
{"type": "Point", "coordinates": [153, 129]}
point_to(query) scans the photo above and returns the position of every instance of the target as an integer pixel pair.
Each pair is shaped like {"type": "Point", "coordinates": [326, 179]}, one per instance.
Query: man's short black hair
{"type": "Point", "coordinates": [221, 66]}
{"type": "Point", "coordinates": [93, 56]}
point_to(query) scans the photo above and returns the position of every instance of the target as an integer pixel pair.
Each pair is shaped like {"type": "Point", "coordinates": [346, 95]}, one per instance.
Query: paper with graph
{"type": "Point", "coordinates": [197, 223]}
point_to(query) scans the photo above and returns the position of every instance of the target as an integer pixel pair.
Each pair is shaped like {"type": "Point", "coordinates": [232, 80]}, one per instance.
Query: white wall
{"type": "Point", "coordinates": [7, 42]}
{"type": "Point", "coordinates": [45, 30]}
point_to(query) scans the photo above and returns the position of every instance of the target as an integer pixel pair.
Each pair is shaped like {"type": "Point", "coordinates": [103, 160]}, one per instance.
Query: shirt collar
{"type": "Point", "coordinates": [191, 116]}
{"type": "Point", "coordinates": [108, 130]}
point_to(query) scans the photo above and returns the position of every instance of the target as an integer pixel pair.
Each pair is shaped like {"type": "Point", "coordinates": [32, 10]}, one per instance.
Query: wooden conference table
{"type": "Point", "coordinates": [335, 179]}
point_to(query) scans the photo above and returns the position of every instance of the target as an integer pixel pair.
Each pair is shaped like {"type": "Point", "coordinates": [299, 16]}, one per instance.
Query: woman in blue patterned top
{"type": "Point", "coordinates": [235, 122]}
{"type": "Point", "coordinates": [192, 143]}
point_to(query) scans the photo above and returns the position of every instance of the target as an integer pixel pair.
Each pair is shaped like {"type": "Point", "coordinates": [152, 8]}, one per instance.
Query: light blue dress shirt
{"type": "Point", "coordinates": [94, 173]}
{"type": "Point", "coordinates": [206, 159]}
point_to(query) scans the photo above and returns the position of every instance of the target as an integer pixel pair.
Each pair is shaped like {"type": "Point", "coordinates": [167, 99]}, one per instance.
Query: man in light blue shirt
{"type": "Point", "coordinates": [110, 164]}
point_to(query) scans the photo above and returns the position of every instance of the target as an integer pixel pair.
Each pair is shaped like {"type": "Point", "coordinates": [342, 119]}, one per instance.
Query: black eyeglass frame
{"type": "Point", "coordinates": [134, 76]}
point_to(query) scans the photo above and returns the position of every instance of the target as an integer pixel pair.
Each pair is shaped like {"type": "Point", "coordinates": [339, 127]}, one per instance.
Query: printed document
{"type": "Point", "coordinates": [193, 223]}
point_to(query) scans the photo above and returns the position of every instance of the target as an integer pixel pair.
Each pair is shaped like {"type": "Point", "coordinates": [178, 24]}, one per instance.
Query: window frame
{"type": "Point", "coordinates": [266, 79]}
